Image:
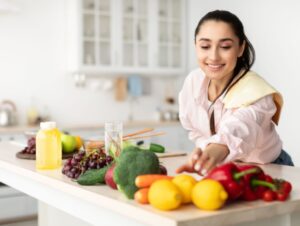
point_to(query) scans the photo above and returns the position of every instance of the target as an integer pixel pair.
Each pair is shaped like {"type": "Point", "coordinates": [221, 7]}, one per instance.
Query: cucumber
{"type": "Point", "coordinates": [93, 176]}
{"type": "Point", "coordinates": [157, 148]}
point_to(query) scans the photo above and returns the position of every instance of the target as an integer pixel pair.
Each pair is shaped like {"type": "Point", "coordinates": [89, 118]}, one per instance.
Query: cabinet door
{"type": "Point", "coordinates": [134, 33]}
{"type": "Point", "coordinates": [126, 36]}
{"type": "Point", "coordinates": [170, 23]}
{"type": "Point", "coordinates": [96, 32]}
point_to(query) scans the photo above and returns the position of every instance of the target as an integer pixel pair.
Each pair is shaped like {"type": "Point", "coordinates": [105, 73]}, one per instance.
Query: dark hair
{"type": "Point", "coordinates": [247, 59]}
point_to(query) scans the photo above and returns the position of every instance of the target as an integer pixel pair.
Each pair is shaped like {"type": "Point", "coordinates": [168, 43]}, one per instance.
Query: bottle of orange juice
{"type": "Point", "coordinates": [48, 146]}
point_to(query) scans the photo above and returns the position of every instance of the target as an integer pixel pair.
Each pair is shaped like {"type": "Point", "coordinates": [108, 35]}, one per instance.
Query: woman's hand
{"type": "Point", "coordinates": [202, 162]}
{"type": "Point", "coordinates": [190, 165]}
{"type": "Point", "coordinates": [210, 158]}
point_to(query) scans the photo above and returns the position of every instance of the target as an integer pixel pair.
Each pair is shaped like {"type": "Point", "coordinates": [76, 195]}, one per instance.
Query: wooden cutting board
{"type": "Point", "coordinates": [21, 155]}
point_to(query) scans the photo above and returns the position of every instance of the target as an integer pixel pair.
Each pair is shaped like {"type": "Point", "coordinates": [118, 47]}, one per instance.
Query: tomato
{"type": "Point", "coordinates": [286, 187]}
{"type": "Point", "coordinates": [281, 196]}
{"type": "Point", "coordinates": [269, 196]}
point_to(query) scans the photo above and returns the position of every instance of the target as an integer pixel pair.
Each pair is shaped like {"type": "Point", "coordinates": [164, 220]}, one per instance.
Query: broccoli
{"type": "Point", "coordinates": [131, 163]}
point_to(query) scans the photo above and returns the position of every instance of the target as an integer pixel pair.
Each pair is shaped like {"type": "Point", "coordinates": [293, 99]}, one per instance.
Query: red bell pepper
{"type": "Point", "coordinates": [263, 186]}
{"type": "Point", "coordinates": [231, 178]}
{"type": "Point", "coordinates": [254, 183]}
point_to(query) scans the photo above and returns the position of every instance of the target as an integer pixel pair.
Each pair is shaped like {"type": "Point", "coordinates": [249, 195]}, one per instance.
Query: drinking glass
{"type": "Point", "coordinates": [113, 138]}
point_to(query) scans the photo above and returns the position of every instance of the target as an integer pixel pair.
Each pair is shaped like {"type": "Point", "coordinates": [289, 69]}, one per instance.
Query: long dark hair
{"type": "Point", "coordinates": [244, 62]}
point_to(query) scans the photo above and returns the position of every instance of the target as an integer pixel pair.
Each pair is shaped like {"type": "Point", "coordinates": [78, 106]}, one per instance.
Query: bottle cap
{"type": "Point", "coordinates": [48, 125]}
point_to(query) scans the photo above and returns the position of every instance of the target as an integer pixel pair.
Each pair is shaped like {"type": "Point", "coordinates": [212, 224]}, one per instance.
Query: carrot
{"type": "Point", "coordinates": [143, 181]}
{"type": "Point", "coordinates": [141, 196]}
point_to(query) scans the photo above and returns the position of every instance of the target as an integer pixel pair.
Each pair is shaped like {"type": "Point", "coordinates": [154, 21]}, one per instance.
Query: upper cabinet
{"type": "Point", "coordinates": [126, 36]}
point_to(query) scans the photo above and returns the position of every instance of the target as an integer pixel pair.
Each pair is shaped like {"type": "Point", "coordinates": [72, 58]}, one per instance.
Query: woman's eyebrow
{"type": "Point", "coordinates": [226, 39]}
{"type": "Point", "coordinates": [204, 39]}
{"type": "Point", "coordinates": [221, 40]}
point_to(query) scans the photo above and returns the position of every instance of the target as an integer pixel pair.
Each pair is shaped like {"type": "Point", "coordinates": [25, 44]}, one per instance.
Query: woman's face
{"type": "Point", "coordinates": [217, 49]}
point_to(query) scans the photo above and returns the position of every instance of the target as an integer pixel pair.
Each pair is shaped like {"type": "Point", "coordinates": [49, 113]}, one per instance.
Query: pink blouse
{"type": "Point", "coordinates": [248, 132]}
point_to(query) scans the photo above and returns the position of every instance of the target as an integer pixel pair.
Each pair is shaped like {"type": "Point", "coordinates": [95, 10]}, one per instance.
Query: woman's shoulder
{"type": "Point", "coordinates": [193, 83]}
{"type": "Point", "coordinates": [195, 76]}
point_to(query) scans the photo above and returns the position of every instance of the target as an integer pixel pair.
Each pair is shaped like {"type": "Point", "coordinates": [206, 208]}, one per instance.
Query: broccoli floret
{"type": "Point", "coordinates": [131, 163]}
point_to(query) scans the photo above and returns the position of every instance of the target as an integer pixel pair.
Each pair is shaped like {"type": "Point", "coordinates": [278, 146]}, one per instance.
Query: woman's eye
{"type": "Point", "coordinates": [204, 47]}
{"type": "Point", "coordinates": [225, 47]}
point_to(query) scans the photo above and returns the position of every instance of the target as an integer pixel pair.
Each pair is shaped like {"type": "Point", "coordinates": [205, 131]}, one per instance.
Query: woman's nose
{"type": "Point", "coordinates": [214, 54]}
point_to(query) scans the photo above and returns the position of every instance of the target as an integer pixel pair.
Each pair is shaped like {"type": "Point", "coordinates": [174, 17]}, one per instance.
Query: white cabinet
{"type": "Point", "coordinates": [126, 36]}
{"type": "Point", "coordinates": [13, 136]}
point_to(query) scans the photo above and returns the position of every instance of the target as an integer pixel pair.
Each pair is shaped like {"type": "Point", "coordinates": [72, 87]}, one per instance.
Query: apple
{"type": "Point", "coordinates": [109, 177]}
{"type": "Point", "coordinates": [68, 142]}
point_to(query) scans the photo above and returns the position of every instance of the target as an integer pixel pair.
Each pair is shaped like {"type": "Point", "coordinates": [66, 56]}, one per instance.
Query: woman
{"type": "Point", "coordinates": [229, 111]}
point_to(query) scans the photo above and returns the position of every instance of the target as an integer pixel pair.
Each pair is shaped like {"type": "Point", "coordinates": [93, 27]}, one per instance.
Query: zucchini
{"type": "Point", "coordinates": [157, 148]}
{"type": "Point", "coordinates": [93, 176]}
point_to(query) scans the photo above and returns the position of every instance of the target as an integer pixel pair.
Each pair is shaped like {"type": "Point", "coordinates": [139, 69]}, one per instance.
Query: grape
{"type": "Point", "coordinates": [109, 159]}
{"type": "Point", "coordinates": [73, 170]}
{"type": "Point", "coordinates": [82, 161]}
{"type": "Point", "coordinates": [31, 146]}
{"type": "Point", "coordinates": [77, 157]}
{"type": "Point", "coordinates": [74, 162]}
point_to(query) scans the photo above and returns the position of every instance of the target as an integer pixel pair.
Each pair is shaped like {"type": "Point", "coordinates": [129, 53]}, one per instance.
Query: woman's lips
{"type": "Point", "coordinates": [215, 67]}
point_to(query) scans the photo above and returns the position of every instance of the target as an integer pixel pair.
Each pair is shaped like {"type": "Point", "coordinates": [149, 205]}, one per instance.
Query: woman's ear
{"type": "Point", "coordinates": [242, 48]}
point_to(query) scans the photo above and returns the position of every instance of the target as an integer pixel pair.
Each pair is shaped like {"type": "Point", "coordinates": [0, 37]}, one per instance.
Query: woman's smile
{"type": "Point", "coordinates": [215, 67]}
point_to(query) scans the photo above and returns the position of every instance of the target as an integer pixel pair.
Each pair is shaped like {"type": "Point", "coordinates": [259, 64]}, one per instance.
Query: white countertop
{"type": "Point", "coordinates": [100, 203]}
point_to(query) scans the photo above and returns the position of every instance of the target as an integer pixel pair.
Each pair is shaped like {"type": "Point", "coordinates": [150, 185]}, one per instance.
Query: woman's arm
{"type": "Point", "coordinates": [236, 136]}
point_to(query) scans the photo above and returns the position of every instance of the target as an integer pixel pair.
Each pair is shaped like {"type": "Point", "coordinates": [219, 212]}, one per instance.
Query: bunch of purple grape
{"type": "Point", "coordinates": [82, 161]}
{"type": "Point", "coordinates": [31, 147]}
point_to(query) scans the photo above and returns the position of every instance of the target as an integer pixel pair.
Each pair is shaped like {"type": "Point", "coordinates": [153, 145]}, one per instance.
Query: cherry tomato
{"type": "Point", "coordinates": [269, 196]}
{"type": "Point", "coordinates": [281, 196]}
{"type": "Point", "coordinates": [286, 187]}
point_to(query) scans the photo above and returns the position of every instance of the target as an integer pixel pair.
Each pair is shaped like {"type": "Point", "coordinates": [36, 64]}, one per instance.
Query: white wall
{"type": "Point", "coordinates": [33, 59]}
{"type": "Point", "coordinates": [273, 28]}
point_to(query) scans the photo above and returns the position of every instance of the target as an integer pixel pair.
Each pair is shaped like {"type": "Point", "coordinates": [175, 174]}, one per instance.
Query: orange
{"type": "Point", "coordinates": [79, 142]}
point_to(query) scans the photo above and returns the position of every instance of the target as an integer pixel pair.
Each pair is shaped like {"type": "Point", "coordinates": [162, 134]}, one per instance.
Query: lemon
{"type": "Point", "coordinates": [164, 195]}
{"type": "Point", "coordinates": [209, 194]}
{"type": "Point", "coordinates": [185, 183]}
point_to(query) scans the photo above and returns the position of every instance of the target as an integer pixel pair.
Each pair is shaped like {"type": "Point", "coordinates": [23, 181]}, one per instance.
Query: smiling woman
{"type": "Point", "coordinates": [229, 111]}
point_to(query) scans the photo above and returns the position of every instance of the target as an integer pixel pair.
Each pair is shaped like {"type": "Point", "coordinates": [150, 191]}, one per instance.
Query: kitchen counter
{"type": "Point", "coordinates": [129, 124]}
{"type": "Point", "coordinates": [100, 205]}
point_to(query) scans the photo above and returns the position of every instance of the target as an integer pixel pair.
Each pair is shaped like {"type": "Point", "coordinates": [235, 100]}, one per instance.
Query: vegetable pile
{"type": "Point", "coordinates": [249, 182]}
{"type": "Point", "coordinates": [139, 176]}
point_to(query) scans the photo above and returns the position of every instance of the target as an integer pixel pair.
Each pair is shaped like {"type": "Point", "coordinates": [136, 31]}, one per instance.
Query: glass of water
{"type": "Point", "coordinates": [113, 137]}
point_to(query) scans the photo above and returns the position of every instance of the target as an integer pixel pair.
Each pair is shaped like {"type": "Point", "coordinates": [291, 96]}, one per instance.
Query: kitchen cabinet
{"type": "Point", "coordinates": [126, 36]}
{"type": "Point", "coordinates": [13, 136]}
